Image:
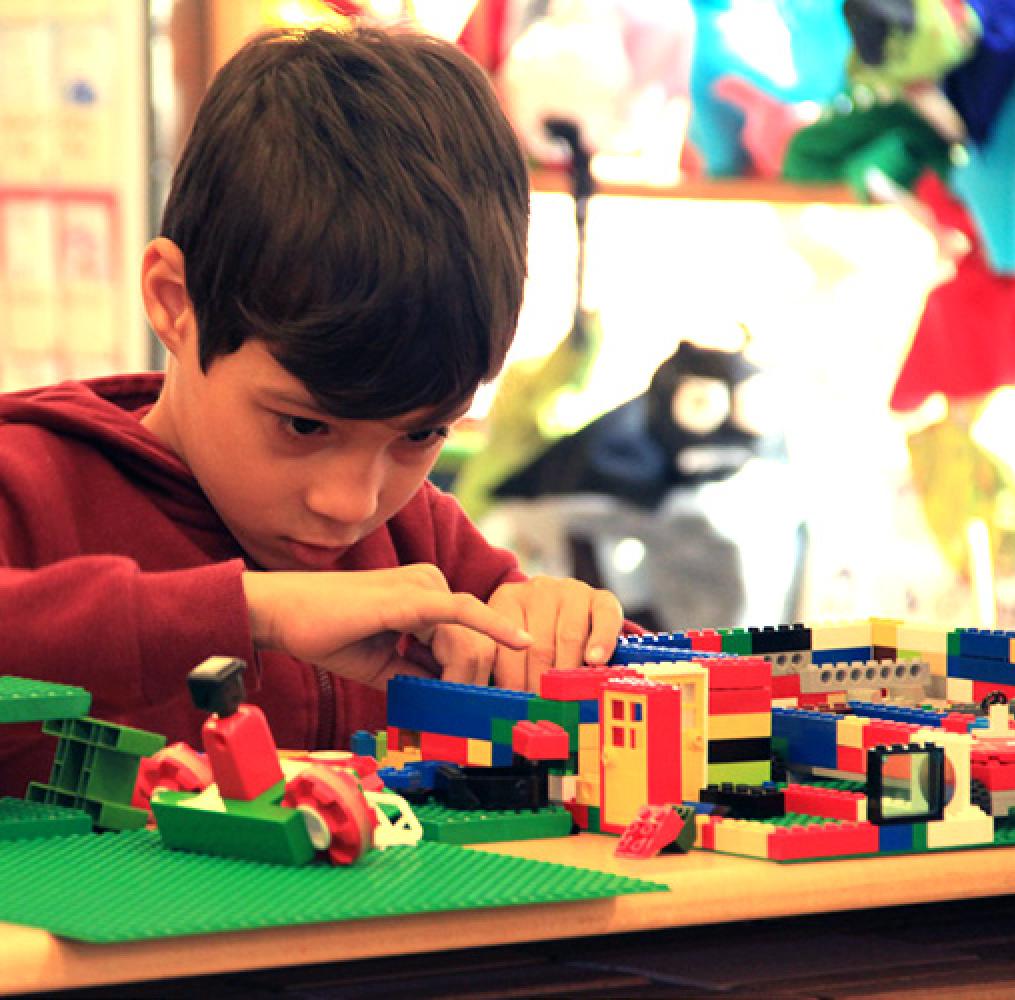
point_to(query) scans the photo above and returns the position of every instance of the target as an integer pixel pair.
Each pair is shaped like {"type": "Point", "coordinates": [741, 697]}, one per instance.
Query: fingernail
{"type": "Point", "coordinates": [595, 654]}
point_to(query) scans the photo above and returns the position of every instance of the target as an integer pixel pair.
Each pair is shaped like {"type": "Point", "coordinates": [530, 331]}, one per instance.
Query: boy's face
{"type": "Point", "coordinates": [295, 486]}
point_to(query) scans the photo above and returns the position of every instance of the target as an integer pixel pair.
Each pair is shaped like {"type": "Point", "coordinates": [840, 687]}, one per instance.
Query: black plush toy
{"type": "Point", "coordinates": [696, 423]}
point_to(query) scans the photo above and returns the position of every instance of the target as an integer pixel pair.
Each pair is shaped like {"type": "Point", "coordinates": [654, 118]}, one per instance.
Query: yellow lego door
{"type": "Point", "coordinates": [625, 758]}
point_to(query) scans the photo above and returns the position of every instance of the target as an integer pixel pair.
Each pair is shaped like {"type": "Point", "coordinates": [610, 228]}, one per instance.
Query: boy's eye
{"type": "Point", "coordinates": [302, 427]}
{"type": "Point", "coordinates": [428, 436]}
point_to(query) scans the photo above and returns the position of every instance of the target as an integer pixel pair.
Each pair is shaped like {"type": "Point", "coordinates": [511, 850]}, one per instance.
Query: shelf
{"type": "Point", "coordinates": [708, 189]}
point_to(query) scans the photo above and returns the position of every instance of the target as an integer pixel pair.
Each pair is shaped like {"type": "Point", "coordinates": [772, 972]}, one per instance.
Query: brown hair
{"type": "Point", "coordinates": [358, 202]}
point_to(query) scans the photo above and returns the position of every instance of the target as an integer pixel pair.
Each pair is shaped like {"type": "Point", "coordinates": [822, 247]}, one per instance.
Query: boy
{"type": "Point", "coordinates": [340, 265]}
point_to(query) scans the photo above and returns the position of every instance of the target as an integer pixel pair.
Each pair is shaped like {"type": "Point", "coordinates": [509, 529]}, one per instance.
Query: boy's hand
{"type": "Point", "coordinates": [571, 624]}
{"type": "Point", "coordinates": [351, 623]}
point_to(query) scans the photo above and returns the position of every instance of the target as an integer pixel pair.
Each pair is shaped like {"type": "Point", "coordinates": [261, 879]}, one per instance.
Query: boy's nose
{"type": "Point", "coordinates": [349, 498]}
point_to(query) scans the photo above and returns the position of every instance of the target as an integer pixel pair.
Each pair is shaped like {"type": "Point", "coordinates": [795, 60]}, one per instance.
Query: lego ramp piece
{"type": "Point", "coordinates": [21, 819]}
{"type": "Point", "coordinates": [149, 892]}
{"type": "Point", "coordinates": [24, 700]}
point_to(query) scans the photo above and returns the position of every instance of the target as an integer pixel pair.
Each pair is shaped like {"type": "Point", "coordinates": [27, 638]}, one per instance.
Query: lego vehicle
{"type": "Point", "coordinates": [245, 800]}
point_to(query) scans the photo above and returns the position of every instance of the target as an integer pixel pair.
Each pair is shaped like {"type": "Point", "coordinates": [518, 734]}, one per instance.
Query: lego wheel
{"type": "Point", "coordinates": [176, 768]}
{"type": "Point", "coordinates": [339, 819]}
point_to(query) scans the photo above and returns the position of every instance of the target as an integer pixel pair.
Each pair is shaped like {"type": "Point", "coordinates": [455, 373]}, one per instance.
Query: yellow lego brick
{"type": "Point", "coordinates": [923, 639]}
{"type": "Point", "coordinates": [959, 689]}
{"type": "Point", "coordinates": [849, 731]}
{"type": "Point", "coordinates": [479, 753]}
{"type": "Point", "coordinates": [739, 727]}
{"type": "Point", "coordinates": [844, 635]}
{"type": "Point", "coordinates": [938, 663]}
{"type": "Point", "coordinates": [743, 836]}
{"type": "Point", "coordinates": [589, 760]}
{"type": "Point", "coordinates": [588, 735]}
{"type": "Point", "coordinates": [885, 631]}
{"type": "Point", "coordinates": [586, 792]}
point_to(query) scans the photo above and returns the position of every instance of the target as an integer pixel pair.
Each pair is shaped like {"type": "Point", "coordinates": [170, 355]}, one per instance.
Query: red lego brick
{"type": "Point", "coordinates": [581, 684]}
{"type": "Point", "coordinates": [746, 702]}
{"type": "Point", "coordinates": [880, 732]}
{"type": "Point", "coordinates": [706, 831]}
{"type": "Point", "coordinates": [957, 722]}
{"type": "Point", "coordinates": [736, 672]}
{"type": "Point", "coordinates": [982, 688]}
{"type": "Point", "coordinates": [542, 740]}
{"type": "Point", "coordinates": [829, 802]}
{"type": "Point", "coordinates": [822, 840]}
{"type": "Point", "coordinates": [579, 813]}
{"type": "Point", "coordinates": [436, 746]}
{"type": "Point", "coordinates": [242, 753]}
{"type": "Point", "coordinates": [785, 685]}
{"type": "Point", "coordinates": [820, 699]}
{"type": "Point", "coordinates": [649, 832]}
{"type": "Point", "coordinates": [851, 759]}
{"type": "Point", "coordinates": [705, 640]}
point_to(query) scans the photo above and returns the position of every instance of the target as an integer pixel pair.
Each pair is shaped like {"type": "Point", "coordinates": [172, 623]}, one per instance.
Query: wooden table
{"type": "Point", "coordinates": [706, 889]}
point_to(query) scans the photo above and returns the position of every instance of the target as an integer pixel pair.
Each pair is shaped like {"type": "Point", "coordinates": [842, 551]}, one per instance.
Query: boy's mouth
{"type": "Point", "coordinates": [315, 556]}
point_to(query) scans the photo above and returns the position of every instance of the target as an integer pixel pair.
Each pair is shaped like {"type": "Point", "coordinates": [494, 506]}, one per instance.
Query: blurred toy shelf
{"type": "Point", "coordinates": [706, 189]}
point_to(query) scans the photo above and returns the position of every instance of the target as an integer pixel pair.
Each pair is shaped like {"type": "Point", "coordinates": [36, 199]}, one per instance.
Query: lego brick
{"type": "Point", "coordinates": [564, 713]}
{"type": "Point", "coordinates": [828, 802]}
{"type": "Point", "coordinates": [810, 736]}
{"type": "Point", "coordinates": [581, 684]}
{"type": "Point", "coordinates": [746, 801]}
{"type": "Point", "coordinates": [479, 753]}
{"type": "Point", "coordinates": [652, 829]}
{"type": "Point", "coordinates": [841, 654]}
{"type": "Point", "coordinates": [242, 753]}
{"type": "Point", "coordinates": [779, 639]}
{"type": "Point", "coordinates": [740, 726]}
{"type": "Point", "coordinates": [972, 828]}
{"type": "Point", "coordinates": [364, 743]}
{"type": "Point", "coordinates": [273, 834]}
{"type": "Point", "coordinates": [438, 746]}
{"type": "Point", "coordinates": [730, 751]}
{"type": "Point", "coordinates": [896, 837]}
{"type": "Point", "coordinates": [785, 686]}
{"type": "Point", "coordinates": [993, 672]}
{"type": "Point", "coordinates": [905, 784]}
{"type": "Point", "coordinates": [978, 690]}
{"type": "Point", "coordinates": [26, 700]}
{"type": "Point", "coordinates": [737, 673]}
{"type": "Point", "coordinates": [885, 631]}
{"type": "Point", "coordinates": [896, 713]}
{"type": "Point", "coordinates": [746, 837]}
{"type": "Point", "coordinates": [21, 819]}
{"type": "Point", "coordinates": [787, 664]}
{"type": "Point", "coordinates": [990, 644]}
{"type": "Point", "coordinates": [428, 705]}
{"type": "Point", "coordinates": [735, 702]}
{"type": "Point", "coordinates": [922, 639]}
{"type": "Point", "coordinates": [842, 635]}
{"type": "Point", "coordinates": [106, 735]}
{"type": "Point", "coordinates": [849, 731]}
{"type": "Point", "coordinates": [829, 840]}
{"type": "Point", "coordinates": [705, 640]}
{"type": "Point", "coordinates": [740, 773]}
{"type": "Point", "coordinates": [588, 712]}
{"type": "Point", "coordinates": [852, 760]}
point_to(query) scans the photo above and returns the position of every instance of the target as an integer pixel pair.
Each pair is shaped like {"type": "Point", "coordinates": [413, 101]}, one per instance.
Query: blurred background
{"type": "Point", "coordinates": [763, 367]}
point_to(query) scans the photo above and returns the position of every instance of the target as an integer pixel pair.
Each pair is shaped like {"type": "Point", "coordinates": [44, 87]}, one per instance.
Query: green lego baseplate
{"type": "Point", "coordinates": [26, 700]}
{"type": "Point", "coordinates": [20, 818]}
{"type": "Point", "coordinates": [118, 887]}
{"type": "Point", "coordinates": [479, 826]}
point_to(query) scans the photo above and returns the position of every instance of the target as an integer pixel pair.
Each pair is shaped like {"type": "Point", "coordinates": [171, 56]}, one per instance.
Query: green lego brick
{"type": "Point", "coordinates": [149, 892]}
{"type": "Point", "coordinates": [467, 826]}
{"type": "Point", "coordinates": [104, 815]}
{"type": "Point", "coordinates": [259, 832]}
{"type": "Point", "coordinates": [24, 700]}
{"type": "Point", "coordinates": [107, 735]}
{"type": "Point", "coordinates": [953, 643]}
{"type": "Point", "coordinates": [565, 713]}
{"type": "Point", "coordinates": [381, 744]}
{"type": "Point", "coordinates": [745, 772]}
{"type": "Point", "coordinates": [20, 818]}
{"type": "Point", "coordinates": [500, 730]}
{"type": "Point", "coordinates": [737, 641]}
{"type": "Point", "coordinates": [919, 837]}
{"type": "Point", "coordinates": [594, 820]}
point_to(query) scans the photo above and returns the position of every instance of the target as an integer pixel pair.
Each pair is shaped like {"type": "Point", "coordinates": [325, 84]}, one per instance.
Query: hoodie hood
{"type": "Point", "coordinates": [105, 414]}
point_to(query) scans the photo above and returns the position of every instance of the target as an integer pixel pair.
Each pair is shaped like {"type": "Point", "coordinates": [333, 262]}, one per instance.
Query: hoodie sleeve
{"type": "Point", "coordinates": [128, 637]}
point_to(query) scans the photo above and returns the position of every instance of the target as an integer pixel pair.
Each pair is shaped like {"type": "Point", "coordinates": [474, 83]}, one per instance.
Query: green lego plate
{"type": "Point", "coordinates": [26, 700]}
{"type": "Point", "coordinates": [116, 887]}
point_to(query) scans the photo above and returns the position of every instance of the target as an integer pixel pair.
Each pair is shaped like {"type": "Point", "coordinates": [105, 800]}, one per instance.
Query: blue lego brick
{"type": "Point", "coordinates": [671, 640]}
{"type": "Point", "coordinates": [987, 644]}
{"type": "Point", "coordinates": [632, 653]}
{"type": "Point", "coordinates": [503, 755]}
{"type": "Point", "coordinates": [987, 671]}
{"type": "Point", "coordinates": [895, 837]}
{"type": "Point", "coordinates": [363, 743]}
{"type": "Point", "coordinates": [427, 705]}
{"type": "Point", "coordinates": [416, 776]}
{"type": "Point", "coordinates": [588, 711]}
{"type": "Point", "coordinates": [851, 654]}
{"type": "Point", "coordinates": [897, 713]}
{"type": "Point", "coordinates": [810, 737]}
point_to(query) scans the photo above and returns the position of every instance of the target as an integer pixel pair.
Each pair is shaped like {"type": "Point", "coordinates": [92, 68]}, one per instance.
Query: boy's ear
{"type": "Point", "coordinates": [164, 293]}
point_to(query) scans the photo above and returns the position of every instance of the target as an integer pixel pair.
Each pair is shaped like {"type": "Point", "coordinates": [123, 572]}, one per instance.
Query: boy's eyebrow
{"type": "Point", "coordinates": [283, 396]}
{"type": "Point", "coordinates": [426, 420]}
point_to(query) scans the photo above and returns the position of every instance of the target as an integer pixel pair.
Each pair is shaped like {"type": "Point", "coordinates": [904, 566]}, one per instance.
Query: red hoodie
{"type": "Point", "coordinates": [117, 575]}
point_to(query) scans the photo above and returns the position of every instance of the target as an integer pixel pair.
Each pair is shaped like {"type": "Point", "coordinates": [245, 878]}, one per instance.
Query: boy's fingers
{"type": "Point", "coordinates": [465, 656]}
{"type": "Point", "coordinates": [509, 666]}
{"type": "Point", "coordinates": [607, 622]}
{"type": "Point", "coordinates": [573, 627]}
{"type": "Point", "coordinates": [465, 609]}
